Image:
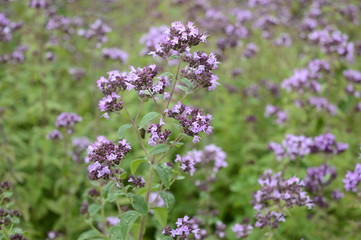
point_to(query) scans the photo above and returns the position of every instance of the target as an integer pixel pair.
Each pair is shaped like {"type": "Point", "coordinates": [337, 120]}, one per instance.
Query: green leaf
{"type": "Point", "coordinates": [160, 148]}
{"type": "Point", "coordinates": [93, 209]}
{"type": "Point", "coordinates": [177, 144]}
{"type": "Point", "coordinates": [168, 74]}
{"type": "Point", "coordinates": [115, 233]}
{"type": "Point", "coordinates": [147, 118]}
{"type": "Point", "coordinates": [168, 199]}
{"type": "Point", "coordinates": [135, 164]}
{"type": "Point", "coordinates": [187, 82]}
{"type": "Point", "coordinates": [183, 88]}
{"type": "Point", "coordinates": [123, 175]}
{"type": "Point", "coordinates": [174, 57]}
{"type": "Point", "coordinates": [165, 174]}
{"type": "Point", "coordinates": [161, 214]}
{"type": "Point", "coordinates": [107, 188]}
{"type": "Point", "coordinates": [122, 129]}
{"type": "Point", "coordinates": [139, 204]}
{"type": "Point", "coordinates": [126, 222]}
{"type": "Point", "coordinates": [89, 235]}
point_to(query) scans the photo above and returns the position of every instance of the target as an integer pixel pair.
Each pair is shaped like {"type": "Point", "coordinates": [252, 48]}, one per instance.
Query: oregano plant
{"type": "Point", "coordinates": [167, 124]}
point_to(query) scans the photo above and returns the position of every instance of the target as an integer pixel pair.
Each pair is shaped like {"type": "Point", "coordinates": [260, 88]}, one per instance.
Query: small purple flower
{"type": "Point", "coordinates": [110, 103]}
{"type": "Point", "coordinates": [185, 228]}
{"type": "Point", "coordinates": [113, 221]}
{"type": "Point", "coordinates": [242, 230]}
{"type": "Point", "coordinates": [137, 182]}
{"type": "Point", "coordinates": [352, 179]}
{"type": "Point", "coordinates": [55, 135]}
{"type": "Point", "coordinates": [67, 120]}
{"type": "Point", "coordinates": [115, 54]}
{"type": "Point", "coordinates": [352, 75]}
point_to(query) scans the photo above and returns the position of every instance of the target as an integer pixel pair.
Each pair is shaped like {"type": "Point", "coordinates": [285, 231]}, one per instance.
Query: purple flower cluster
{"type": "Point", "coordinates": [326, 143]}
{"type": "Point", "coordinates": [321, 103]}
{"type": "Point", "coordinates": [38, 4]}
{"type": "Point", "coordinates": [104, 154]}
{"type": "Point", "coordinates": [77, 73]}
{"type": "Point", "coordinates": [7, 28]}
{"type": "Point", "coordinates": [293, 146]}
{"type": "Point", "coordinates": [352, 179]}
{"type": "Point", "coordinates": [110, 103]}
{"type": "Point", "coordinates": [200, 69]}
{"type": "Point", "coordinates": [319, 177]}
{"type": "Point", "coordinates": [17, 56]}
{"type": "Point", "coordinates": [55, 135]}
{"type": "Point", "coordinates": [64, 24]}
{"type": "Point", "coordinates": [352, 75]}
{"type": "Point", "coordinates": [282, 116]}
{"type": "Point", "coordinates": [97, 30]}
{"type": "Point", "coordinates": [179, 38]}
{"type": "Point", "coordinates": [137, 182]}
{"type": "Point", "coordinates": [185, 228]}
{"type": "Point", "coordinates": [251, 50]}
{"type": "Point", "coordinates": [220, 230]}
{"type": "Point", "coordinates": [283, 40]}
{"type": "Point", "coordinates": [115, 54]}
{"type": "Point", "coordinates": [67, 121]}
{"type": "Point", "coordinates": [154, 36]}
{"type": "Point", "coordinates": [333, 41]}
{"type": "Point", "coordinates": [191, 120]}
{"type": "Point", "coordinates": [242, 230]}
{"type": "Point", "coordinates": [156, 134]}
{"type": "Point", "coordinates": [210, 155]}
{"type": "Point", "coordinates": [278, 192]}
{"type": "Point", "coordinates": [112, 220]}
{"type": "Point", "coordinates": [187, 163]}
{"type": "Point", "coordinates": [79, 146]}
{"type": "Point", "coordinates": [306, 78]}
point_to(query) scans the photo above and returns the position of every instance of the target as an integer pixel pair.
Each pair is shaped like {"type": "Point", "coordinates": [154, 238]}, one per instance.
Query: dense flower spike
{"type": "Point", "coordinates": [200, 69]}
{"type": "Point", "coordinates": [319, 177]}
{"type": "Point", "coordinates": [179, 38]}
{"type": "Point", "coordinates": [321, 103]}
{"type": "Point", "coordinates": [300, 146]}
{"type": "Point", "coordinates": [67, 121]}
{"type": "Point", "coordinates": [156, 134]}
{"type": "Point", "coordinates": [110, 103]}
{"type": "Point", "coordinates": [187, 164]}
{"type": "Point", "coordinates": [292, 147]}
{"type": "Point", "coordinates": [185, 228]}
{"type": "Point", "coordinates": [191, 120]}
{"type": "Point", "coordinates": [333, 41]}
{"type": "Point", "coordinates": [115, 54]}
{"type": "Point", "coordinates": [155, 36]}
{"type": "Point", "coordinates": [104, 154]}
{"type": "Point", "coordinates": [326, 143]}
{"type": "Point", "coordinates": [251, 50]}
{"type": "Point", "coordinates": [38, 4]}
{"type": "Point", "coordinates": [55, 135]}
{"type": "Point", "coordinates": [7, 28]}
{"type": "Point", "coordinates": [242, 230]}
{"type": "Point", "coordinates": [137, 182]}
{"type": "Point", "coordinates": [352, 179]}
{"type": "Point", "coordinates": [277, 191]}
{"type": "Point", "coordinates": [97, 30]}
{"type": "Point", "coordinates": [352, 76]}
{"type": "Point", "coordinates": [79, 146]}
{"type": "Point", "coordinates": [271, 110]}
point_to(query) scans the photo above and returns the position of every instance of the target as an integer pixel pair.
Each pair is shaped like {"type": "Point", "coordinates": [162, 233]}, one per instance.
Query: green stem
{"type": "Point", "coordinates": [149, 186]}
